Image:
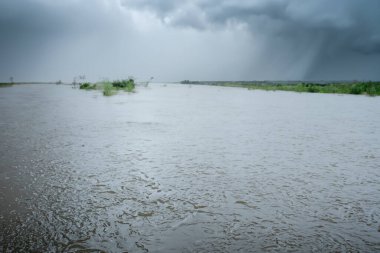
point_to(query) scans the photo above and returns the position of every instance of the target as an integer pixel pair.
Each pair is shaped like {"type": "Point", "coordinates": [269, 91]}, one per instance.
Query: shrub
{"type": "Point", "coordinates": [84, 86]}
{"type": "Point", "coordinates": [107, 89]}
{"type": "Point", "coordinates": [355, 89]}
{"type": "Point", "coordinates": [312, 89]}
{"type": "Point", "coordinates": [87, 86]}
{"type": "Point", "coordinates": [128, 85]}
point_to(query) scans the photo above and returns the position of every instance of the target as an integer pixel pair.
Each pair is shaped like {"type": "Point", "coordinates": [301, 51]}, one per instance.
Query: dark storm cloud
{"type": "Point", "coordinates": [190, 39]}
{"type": "Point", "coordinates": [358, 21]}
{"type": "Point", "coordinates": [325, 31]}
{"type": "Point", "coordinates": [51, 40]}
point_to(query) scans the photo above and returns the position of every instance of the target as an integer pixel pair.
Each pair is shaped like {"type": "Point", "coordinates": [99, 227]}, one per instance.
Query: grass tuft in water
{"type": "Point", "coordinates": [111, 88]}
{"type": "Point", "coordinates": [87, 86]}
{"type": "Point", "coordinates": [5, 84]}
{"type": "Point", "coordinates": [126, 85]}
{"type": "Point", "coordinates": [108, 89]}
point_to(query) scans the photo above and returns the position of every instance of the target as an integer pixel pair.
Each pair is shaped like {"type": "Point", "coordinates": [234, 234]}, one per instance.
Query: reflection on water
{"type": "Point", "coordinates": [188, 169]}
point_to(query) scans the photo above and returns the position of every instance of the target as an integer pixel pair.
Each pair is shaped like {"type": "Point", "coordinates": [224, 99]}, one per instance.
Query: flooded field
{"type": "Point", "coordinates": [176, 168]}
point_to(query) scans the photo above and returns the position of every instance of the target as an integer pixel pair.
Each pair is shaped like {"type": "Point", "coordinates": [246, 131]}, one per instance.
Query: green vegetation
{"type": "Point", "coordinates": [127, 85]}
{"type": "Point", "coordinates": [87, 86]}
{"type": "Point", "coordinates": [5, 84]}
{"type": "Point", "coordinates": [190, 82]}
{"type": "Point", "coordinates": [110, 88]}
{"type": "Point", "coordinates": [356, 88]}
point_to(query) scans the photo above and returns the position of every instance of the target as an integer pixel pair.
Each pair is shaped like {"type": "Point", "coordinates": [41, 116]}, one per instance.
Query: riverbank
{"type": "Point", "coordinates": [355, 88]}
{"type": "Point", "coordinates": [14, 83]}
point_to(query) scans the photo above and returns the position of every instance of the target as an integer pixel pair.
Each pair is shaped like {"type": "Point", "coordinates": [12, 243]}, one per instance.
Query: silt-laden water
{"type": "Point", "coordinates": [175, 168]}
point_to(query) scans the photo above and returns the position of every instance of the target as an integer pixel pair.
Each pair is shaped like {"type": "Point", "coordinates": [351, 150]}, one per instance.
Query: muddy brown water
{"type": "Point", "coordinates": [175, 168]}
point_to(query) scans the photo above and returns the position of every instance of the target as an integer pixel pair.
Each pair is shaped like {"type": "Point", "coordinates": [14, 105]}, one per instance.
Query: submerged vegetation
{"type": "Point", "coordinates": [110, 88]}
{"type": "Point", "coordinates": [356, 88]}
{"type": "Point", "coordinates": [127, 85]}
{"type": "Point", "coordinates": [87, 86]}
{"type": "Point", "coordinates": [5, 84]}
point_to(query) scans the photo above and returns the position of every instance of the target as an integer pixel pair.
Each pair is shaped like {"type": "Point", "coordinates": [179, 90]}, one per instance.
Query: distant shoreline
{"type": "Point", "coordinates": [16, 83]}
{"type": "Point", "coordinates": [369, 88]}
{"type": "Point", "coordinates": [339, 87]}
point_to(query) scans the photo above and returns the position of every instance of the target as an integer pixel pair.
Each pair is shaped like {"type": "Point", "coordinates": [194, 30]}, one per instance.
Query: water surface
{"type": "Point", "coordinates": [175, 168]}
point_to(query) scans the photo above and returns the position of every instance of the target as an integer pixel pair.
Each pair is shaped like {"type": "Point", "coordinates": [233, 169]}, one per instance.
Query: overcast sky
{"type": "Point", "coordinates": [198, 39]}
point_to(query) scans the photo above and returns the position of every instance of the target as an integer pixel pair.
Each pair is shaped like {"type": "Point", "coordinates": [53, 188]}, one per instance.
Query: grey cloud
{"type": "Point", "coordinates": [281, 17]}
{"type": "Point", "coordinates": [191, 39]}
{"type": "Point", "coordinates": [22, 18]}
{"type": "Point", "coordinates": [51, 40]}
{"type": "Point", "coordinates": [158, 6]}
{"type": "Point", "coordinates": [330, 29]}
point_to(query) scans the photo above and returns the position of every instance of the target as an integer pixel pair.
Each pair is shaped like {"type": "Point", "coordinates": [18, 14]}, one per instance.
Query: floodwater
{"type": "Point", "coordinates": [175, 168]}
